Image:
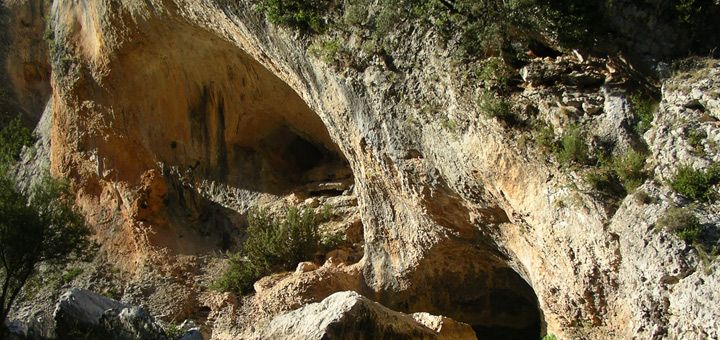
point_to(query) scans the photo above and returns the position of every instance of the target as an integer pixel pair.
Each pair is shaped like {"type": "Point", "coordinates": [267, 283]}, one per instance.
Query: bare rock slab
{"type": "Point", "coordinates": [348, 315]}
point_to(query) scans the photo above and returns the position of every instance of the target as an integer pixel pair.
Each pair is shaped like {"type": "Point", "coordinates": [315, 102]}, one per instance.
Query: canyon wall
{"type": "Point", "coordinates": [172, 118]}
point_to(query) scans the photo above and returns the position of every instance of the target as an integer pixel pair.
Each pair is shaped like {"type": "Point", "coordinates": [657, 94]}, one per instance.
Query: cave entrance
{"type": "Point", "coordinates": [226, 118]}
{"type": "Point", "coordinates": [297, 162]}
{"type": "Point", "coordinates": [477, 285]}
{"type": "Point", "coordinates": [508, 310]}
{"type": "Point", "coordinates": [227, 133]}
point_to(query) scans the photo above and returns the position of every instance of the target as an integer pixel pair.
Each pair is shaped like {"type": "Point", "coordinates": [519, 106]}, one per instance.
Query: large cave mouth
{"type": "Point", "coordinates": [469, 276]}
{"type": "Point", "coordinates": [507, 310]}
{"type": "Point", "coordinates": [488, 295]}
{"type": "Point", "coordinates": [199, 103]}
{"type": "Point", "coordinates": [474, 286]}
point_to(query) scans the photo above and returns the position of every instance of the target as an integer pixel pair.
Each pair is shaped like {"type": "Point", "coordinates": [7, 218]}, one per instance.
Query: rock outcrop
{"type": "Point", "coordinates": [81, 314]}
{"type": "Point", "coordinates": [79, 310]}
{"type": "Point", "coordinates": [173, 118]}
{"type": "Point", "coordinates": [130, 323]}
{"type": "Point", "coordinates": [347, 315]}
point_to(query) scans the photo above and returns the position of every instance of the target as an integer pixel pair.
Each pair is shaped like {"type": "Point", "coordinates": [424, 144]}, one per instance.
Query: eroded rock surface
{"type": "Point", "coordinates": [80, 310]}
{"type": "Point", "coordinates": [172, 118]}
{"type": "Point", "coordinates": [348, 315]}
{"type": "Point", "coordinates": [81, 314]}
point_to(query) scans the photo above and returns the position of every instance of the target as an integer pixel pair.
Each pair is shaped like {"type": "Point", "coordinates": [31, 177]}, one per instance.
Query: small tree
{"type": "Point", "coordinates": [36, 228]}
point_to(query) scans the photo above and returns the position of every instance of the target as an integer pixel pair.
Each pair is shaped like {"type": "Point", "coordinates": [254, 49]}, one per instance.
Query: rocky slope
{"type": "Point", "coordinates": [172, 118]}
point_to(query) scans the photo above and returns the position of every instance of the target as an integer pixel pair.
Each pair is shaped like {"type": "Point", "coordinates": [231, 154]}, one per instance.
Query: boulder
{"type": "Point", "coordinates": [304, 267]}
{"type": "Point", "coordinates": [80, 309]}
{"type": "Point", "coordinates": [14, 330]}
{"type": "Point", "coordinates": [192, 331]}
{"type": "Point", "coordinates": [446, 328]}
{"type": "Point", "coordinates": [348, 315]}
{"type": "Point", "coordinates": [130, 323]}
{"type": "Point", "coordinates": [82, 314]}
{"type": "Point", "coordinates": [193, 334]}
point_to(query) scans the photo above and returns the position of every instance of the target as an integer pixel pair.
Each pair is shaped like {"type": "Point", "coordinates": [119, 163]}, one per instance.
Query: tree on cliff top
{"type": "Point", "coordinates": [39, 228]}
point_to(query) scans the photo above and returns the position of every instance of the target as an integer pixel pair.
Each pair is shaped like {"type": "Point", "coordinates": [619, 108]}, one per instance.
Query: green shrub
{"type": "Point", "coordinates": [12, 139]}
{"type": "Point", "coordinates": [386, 20]}
{"type": "Point", "coordinates": [355, 14]}
{"type": "Point", "coordinates": [683, 223]}
{"type": "Point", "coordinates": [545, 137]}
{"type": "Point", "coordinates": [496, 73]}
{"type": "Point", "coordinates": [695, 138]}
{"type": "Point", "coordinates": [696, 184]}
{"type": "Point", "coordinates": [494, 106]}
{"type": "Point", "coordinates": [630, 169]}
{"type": "Point", "coordinates": [173, 331]}
{"type": "Point", "coordinates": [606, 181]}
{"type": "Point", "coordinates": [642, 197]}
{"type": "Point", "coordinates": [618, 176]}
{"type": "Point", "coordinates": [333, 241]}
{"type": "Point", "coordinates": [489, 28]}
{"type": "Point", "coordinates": [549, 337]}
{"type": "Point", "coordinates": [273, 244]}
{"type": "Point", "coordinates": [449, 124]}
{"type": "Point", "coordinates": [686, 10]}
{"type": "Point", "coordinates": [41, 229]}
{"type": "Point", "coordinates": [573, 148]}
{"type": "Point", "coordinates": [327, 50]}
{"type": "Point", "coordinates": [644, 108]}
{"type": "Point", "coordinates": [70, 275]}
{"type": "Point", "coordinates": [306, 15]}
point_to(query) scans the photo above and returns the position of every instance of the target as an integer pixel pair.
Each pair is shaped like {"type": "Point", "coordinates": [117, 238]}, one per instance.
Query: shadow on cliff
{"type": "Point", "coordinates": [25, 68]}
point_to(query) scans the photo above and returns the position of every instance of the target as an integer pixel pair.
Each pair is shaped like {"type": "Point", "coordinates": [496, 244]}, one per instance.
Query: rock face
{"type": "Point", "coordinates": [25, 72]}
{"type": "Point", "coordinates": [172, 118]}
{"type": "Point", "coordinates": [347, 315]}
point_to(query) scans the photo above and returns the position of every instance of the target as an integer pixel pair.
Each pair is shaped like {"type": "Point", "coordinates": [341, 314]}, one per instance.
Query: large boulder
{"type": "Point", "coordinates": [348, 315]}
{"type": "Point", "coordinates": [82, 314]}
{"type": "Point", "coordinates": [14, 330]}
{"type": "Point", "coordinates": [80, 310]}
{"type": "Point", "coordinates": [130, 323]}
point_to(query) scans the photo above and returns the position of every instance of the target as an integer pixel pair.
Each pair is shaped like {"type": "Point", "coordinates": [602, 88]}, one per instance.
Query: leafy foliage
{"type": "Point", "coordinates": [173, 331]}
{"type": "Point", "coordinates": [489, 27]}
{"type": "Point", "coordinates": [644, 108]}
{"type": "Point", "coordinates": [495, 73]}
{"type": "Point", "coordinates": [327, 50]}
{"type": "Point", "coordinates": [683, 223]}
{"type": "Point", "coordinates": [605, 181]}
{"type": "Point", "coordinates": [273, 244]}
{"type": "Point", "coordinates": [494, 106]}
{"type": "Point", "coordinates": [38, 228]}
{"type": "Point", "coordinates": [13, 138]}
{"type": "Point", "coordinates": [618, 176]}
{"type": "Point", "coordinates": [573, 148]}
{"type": "Point", "coordinates": [630, 169]}
{"type": "Point", "coordinates": [695, 138]}
{"type": "Point", "coordinates": [70, 275]}
{"type": "Point", "coordinates": [699, 18]}
{"type": "Point", "coordinates": [696, 184]}
{"type": "Point", "coordinates": [306, 15]}
{"type": "Point", "coordinates": [545, 137]}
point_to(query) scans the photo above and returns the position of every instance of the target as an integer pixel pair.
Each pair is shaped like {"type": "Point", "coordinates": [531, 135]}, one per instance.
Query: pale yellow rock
{"type": "Point", "coordinates": [304, 267]}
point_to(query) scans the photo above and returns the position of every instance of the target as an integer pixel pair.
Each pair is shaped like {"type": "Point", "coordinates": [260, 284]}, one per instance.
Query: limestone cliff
{"type": "Point", "coordinates": [172, 118]}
